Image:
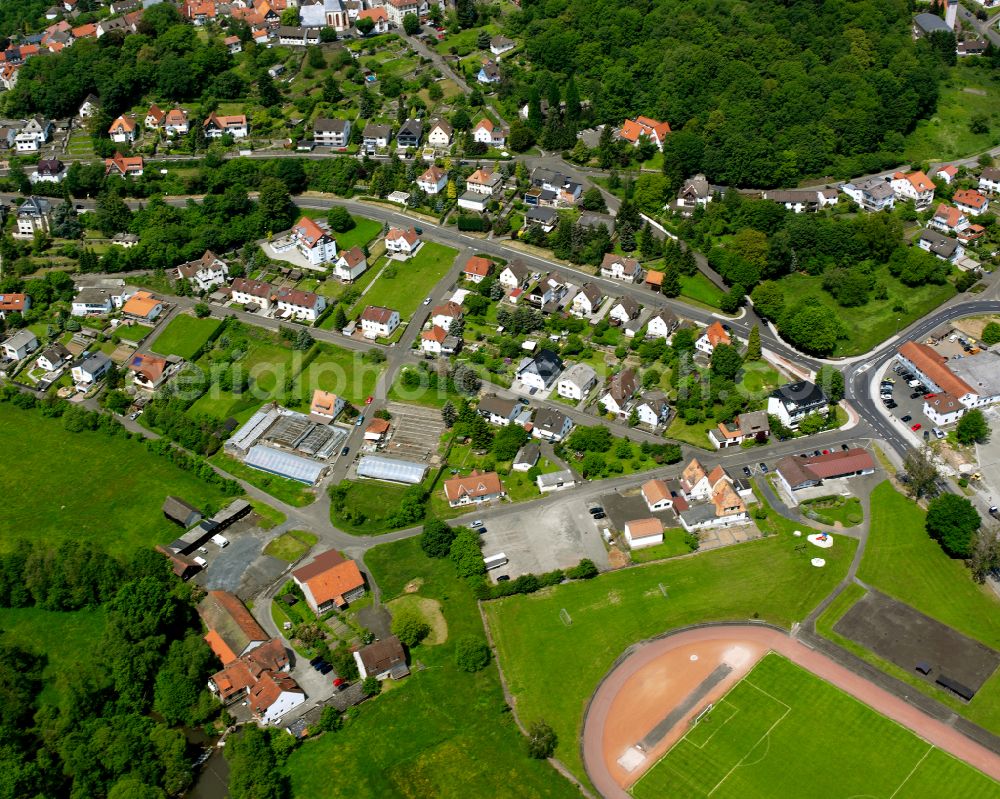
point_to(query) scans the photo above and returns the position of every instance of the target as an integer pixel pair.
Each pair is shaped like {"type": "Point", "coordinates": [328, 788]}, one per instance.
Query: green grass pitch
{"type": "Point", "coordinates": [782, 731]}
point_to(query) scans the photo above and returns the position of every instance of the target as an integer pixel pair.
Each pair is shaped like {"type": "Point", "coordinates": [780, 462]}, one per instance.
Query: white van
{"type": "Point", "coordinates": [915, 384]}
{"type": "Point", "coordinates": [220, 541]}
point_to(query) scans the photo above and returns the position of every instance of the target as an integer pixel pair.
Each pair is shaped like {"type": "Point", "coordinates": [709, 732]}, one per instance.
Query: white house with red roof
{"type": "Point", "coordinates": [175, 123]}
{"type": "Point", "coordinates": [151, 371]}
{"type": "Point", "coordinates": [632, 131]}
{"type": "Point", "coordinates": [432, 341]}
{"type": "Point", "coordinates": [154, 117]}
{"type": "Point", "coordinates": [971, 202]}
{"type": "Point", "coordinates": [947, 173]}
{"type": "Point", "coordinates": [485, 132]}
{"type": "Point", "coordinates": [477, 269]}
{"type": "Point", "coordinates": [948, 218]}
{"type": "Point", "coordinates": [305, 306]}
{"type": "Point", "coordinates": [378, 16]}
{"type": "Point", "coordinates": [915, 186]}
{"type": "Point", "coordinates": [313, 241]}
{"type": "Point", "coordinates": [402, 243]}
{"type": "Point", "coordinates": [714, 335]}
{"type": "Point", "coordinates": [433, 181]}
{"type": "Point", "coordinates": [379, 322]}
{"type": "Point", "coordinates": [351, 264]}
{"type": "Point", "coordinates": [122, 130]}
{"type": "Point", "coordinates": [217, 125]}
{"type": "Point", "coordinates": [444, 315]}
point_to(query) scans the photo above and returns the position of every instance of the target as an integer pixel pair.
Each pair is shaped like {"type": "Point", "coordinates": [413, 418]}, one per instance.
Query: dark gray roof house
{"type": "Point", "coordinates": [180, 512]}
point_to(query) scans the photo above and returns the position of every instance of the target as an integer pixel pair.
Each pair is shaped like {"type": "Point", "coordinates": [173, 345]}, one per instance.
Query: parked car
{"type": "Point", "coordinates": [927, 435]}
{"type": "Point", "coordinates": [319, 664]}
{"type": "Point", "coordinates": [891, 405]}
{"type": "Point", "coordinates": [929, 396]}
{"type": "Point", "coordinates": [596, 509]}
{"type": "Point", "coordinates": [845, 447]}
{"type": "Point", "coordinates": [340, 683]}
{"type": "Point", "coordinates": [503, 578]}
{"type": "Point", "coordinates": [599, 516]}
{"type": "Point", "coordinates": [916, 427]}
{"type": "Point", "coordinates": [938, 433]}
{"type": "Point", "coordinates": [763, 468]}
{"type": "Point", "coordinates": [345, 450]}
{"type": "Point", "coordinates": [915, 395]}
{"type": "Point", "coordinates": [746, 471]}
{"type": "Point", "coordinates": [477, 523]}
{"type": "Point", "coordinates": [816, 453]}
{"type": "Point", "coordinates": [325, 669]}
{"type": "Point", "coordinates": [907, 418]}
{"type": "Point", "coordinates": [361, 421]}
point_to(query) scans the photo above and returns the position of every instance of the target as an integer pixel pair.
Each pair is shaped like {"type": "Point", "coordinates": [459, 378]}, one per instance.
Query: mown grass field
{"type": "Point", "coordinates": [87, 486]}
{"type": "Point", "coordinates": [413, 281]}
{"type": "Point", "coordinates": [766, 579]}
{"type": "Point", "coordinates": [751, 745]}
{"type": "Point", "coordinates": [291, 546]}
{"type": "Point", "coordinates": [440, 732]}
{"type": "Point", "coordinates": [185, 335]}
{"type": "Point", "coordinates": [699, 288]}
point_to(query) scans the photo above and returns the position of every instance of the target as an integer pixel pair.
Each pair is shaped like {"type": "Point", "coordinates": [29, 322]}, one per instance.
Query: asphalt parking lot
{"type": "Point", "coordinates": [907, 406]}
{"type": "Point", "coordinates": [240, 567]}
{"type": "Point", "coordinates": [555, 536]}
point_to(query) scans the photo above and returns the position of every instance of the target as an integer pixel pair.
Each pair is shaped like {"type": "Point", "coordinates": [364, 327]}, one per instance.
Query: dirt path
{"type": "Point", "coordinates": [620, 715]}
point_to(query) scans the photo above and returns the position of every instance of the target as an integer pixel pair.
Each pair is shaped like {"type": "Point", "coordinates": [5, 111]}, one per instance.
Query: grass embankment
{"type": "Point", "coordinates": [185, 335]}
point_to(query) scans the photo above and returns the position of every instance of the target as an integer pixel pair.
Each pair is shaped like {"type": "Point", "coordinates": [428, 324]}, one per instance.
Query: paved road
{"type": "Point", "coordinates": [986, 29]}
{"type": "Point", "coordinates": [599, 712]}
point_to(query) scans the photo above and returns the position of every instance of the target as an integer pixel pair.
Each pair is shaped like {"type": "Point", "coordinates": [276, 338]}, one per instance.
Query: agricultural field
{"type": "Point", "coordinates": [185, 335]}
{"type": "Point", "coordinates": [750, 745]}
{"type": "Point", "coordinates": [105, 489]}
{"type": "Point", "coordinates": [766, 579]}
{"type": "Point", "coordinates": [441, 732]}
{"type": "Point", "coordinates": [414, 279]}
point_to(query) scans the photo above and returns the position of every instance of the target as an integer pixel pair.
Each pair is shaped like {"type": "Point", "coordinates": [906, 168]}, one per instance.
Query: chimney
{"type": "Point", "coordinates": [951, 13]}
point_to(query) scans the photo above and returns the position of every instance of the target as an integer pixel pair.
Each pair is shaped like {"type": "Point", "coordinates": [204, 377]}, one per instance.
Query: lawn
{"type": "Point", "coordinates": [185, 336]}
{"type": "Point", "coordinates": [750, 745]}
{"type": "Point", "coordinates": [846, 510]}
{"type": "Point", "coordinates": [375, 500]}
{"type": "Point", "coordinates": [870, 324]}
{"type": "Point", "coordinates": [674, 544]}
{"type": "Point", "coordinates": [65, 639]}
{"type": "Point", "coordinates": [291, 546]}
{"type": "Point", "coordinates": [362, 233]}
{"type": "Point", "coordinates": [902, 561]}
{"type": "Point", "coordinates": [440, 732]}
{"type": "Point", "coordinates": [413, 281]}
{"type": "Point", "coordinates": [341, 371]}
{"type": "Point", "coordinates": [766, 579]}
{"type": "Point", "coordinates": [291, 492]}
{"type": "Point", "coordinates": [88, 486]}
{"type": "Point", "coordinates": [946, 134]}
{"type": "Point", "coordinates": [699, 288]}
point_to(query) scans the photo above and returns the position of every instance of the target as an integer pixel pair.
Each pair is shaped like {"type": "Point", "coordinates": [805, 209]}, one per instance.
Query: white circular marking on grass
{"type": "Point", "coordinates": [819, 563]}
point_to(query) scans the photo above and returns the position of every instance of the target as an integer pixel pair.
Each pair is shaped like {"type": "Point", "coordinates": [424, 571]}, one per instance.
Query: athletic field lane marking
{"type": "Point", "coordinates": [912, 770]}
{"type": "Point", "coordinates": [788, 710]}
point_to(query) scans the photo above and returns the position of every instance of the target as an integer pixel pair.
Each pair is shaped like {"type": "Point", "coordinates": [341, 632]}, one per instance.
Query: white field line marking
{"type": "Point", "coordinates": [912, 770]}
{"type": "Point", "coordinates": [788, 710]}
{"type": "Point", "coordinates": [717, 729]}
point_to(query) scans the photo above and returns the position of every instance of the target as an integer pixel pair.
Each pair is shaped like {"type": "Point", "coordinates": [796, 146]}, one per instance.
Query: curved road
{"type": "Point", "coordinates": [929, 729]}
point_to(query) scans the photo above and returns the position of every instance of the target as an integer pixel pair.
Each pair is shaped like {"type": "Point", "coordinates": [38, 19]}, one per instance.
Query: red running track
{"type": "Point", "coordinates": [600, 750]}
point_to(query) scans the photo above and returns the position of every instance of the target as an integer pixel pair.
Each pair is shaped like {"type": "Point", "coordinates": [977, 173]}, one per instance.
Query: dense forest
{"type": "Point", "coordinates": [760, 92]}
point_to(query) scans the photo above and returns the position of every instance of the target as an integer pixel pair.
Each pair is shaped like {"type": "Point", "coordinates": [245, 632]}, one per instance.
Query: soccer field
{"type": "Point", "coordinates": [781, 731]}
